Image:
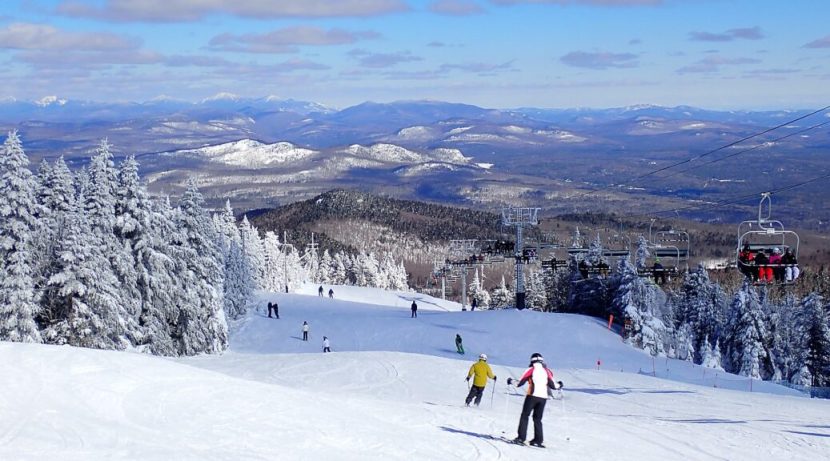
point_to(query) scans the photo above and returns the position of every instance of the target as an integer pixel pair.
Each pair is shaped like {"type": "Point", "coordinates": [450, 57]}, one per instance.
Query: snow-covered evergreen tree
{"type": "Point", "coordinates": [701, 305]}
{"type": "Point", "coordinates": [326, 269]}
{"type": "Point", "coordinates": [711, 358]}
{"type": "Point", "coordinates": [396, 277]}
{"type": "Point", "coordinates": [536, 298]}
{"type": "Point", "coordinates": [18, 205]}
{"type": "Point", "coordinates": [476, 291]}
{"type": "Point", "coordinates": [639, 302]}
{"type": "Point", "coordinates": [201, 325]}
{"type": "Point", "coordinates": [747, 353]}
{"type": "Point", "coordinates": [254, 251]}
{"type": "Point", "coordinates": [83, 290]}
{"type": "Point", "coordinates": [501, 297]}
{"type": "Point", "coordinates": [641, 258]}
{"type": "Point", "coordinates": [239, 283]}
{"type": "Point", "coordinates": [813, 340]}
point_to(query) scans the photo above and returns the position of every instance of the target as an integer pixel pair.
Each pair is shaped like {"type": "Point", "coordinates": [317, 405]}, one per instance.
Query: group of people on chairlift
{"type": "Point", "coordinates": [768, 266]}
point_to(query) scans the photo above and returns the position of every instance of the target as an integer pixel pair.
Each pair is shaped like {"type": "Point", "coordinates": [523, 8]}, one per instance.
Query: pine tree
{"type": "Point", "coordinates": [813, 326]}
{"type": "Point", "coordinates": [18, 209]}
{"type": "Point", "coordinates": [477, 292]}
{"type": "Point", "coordinates": [254, 251]}
{"type": "Point", "coordinates": [536, 298]}
{"type": "Point", "coordinates": [639, 303]}
{"type": "Point", "coordinates": [239, 284]}
{"type": "Point", "coordinates": [502, 297]}
{"type": "Point", "coordinates": [84, 292]}
{"type": "Point", "coordinates": [747, 353]}
{"type": "Point", "coordinates": [201, 326]}
{"type": "Point", "coordinates": [701, 305]}
{"type": "Point", "coordinates": [642, 253]}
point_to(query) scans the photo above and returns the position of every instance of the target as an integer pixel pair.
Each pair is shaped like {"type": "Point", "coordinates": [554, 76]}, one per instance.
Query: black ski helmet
{"type": "Point", "coordinates": [536, 357]}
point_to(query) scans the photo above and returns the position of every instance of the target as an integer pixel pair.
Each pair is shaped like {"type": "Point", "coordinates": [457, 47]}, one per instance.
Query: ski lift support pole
{"type": "Point", "coordinates": [519, 218]}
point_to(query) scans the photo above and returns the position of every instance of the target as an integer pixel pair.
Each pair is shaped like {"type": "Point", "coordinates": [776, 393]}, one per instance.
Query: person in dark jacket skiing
{"type": "Point", "coordinates": [320, 291]}
{"type": "Point", "coordinates": [331, 293]}
{"type": "Point", "coordinates": [473, 305]}
{"type": "Point", "coordinates": [276, 310]}
{"type": "Point", "coordinates": [479, 371]}
{"type": "Point", "coordinates": [540, 379]}
{"type": "Point", "coordinates": [458, 346]}
{"type": "Point", "coordinates": [414, 309]}
{"type": "Point", "coordinates": [270, 309]}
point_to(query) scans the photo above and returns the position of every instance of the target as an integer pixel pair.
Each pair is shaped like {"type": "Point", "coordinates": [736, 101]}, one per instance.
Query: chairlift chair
{"type": "Point", "coordinates": [765, 235]}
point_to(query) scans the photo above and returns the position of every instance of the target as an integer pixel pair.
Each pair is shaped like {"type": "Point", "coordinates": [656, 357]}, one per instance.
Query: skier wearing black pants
{"type": "Point", "coordinates": [540, 379]}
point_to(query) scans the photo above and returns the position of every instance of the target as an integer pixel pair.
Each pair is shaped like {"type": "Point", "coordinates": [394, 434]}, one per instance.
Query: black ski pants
{"type": "Point", "coordinates": [536, 405]}
{"type": "Point", "coordinates": [475, 392]}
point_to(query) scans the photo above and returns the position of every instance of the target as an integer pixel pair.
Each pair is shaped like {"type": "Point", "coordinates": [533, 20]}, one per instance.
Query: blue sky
{"type": "Point", "coordinates": [721, 54]}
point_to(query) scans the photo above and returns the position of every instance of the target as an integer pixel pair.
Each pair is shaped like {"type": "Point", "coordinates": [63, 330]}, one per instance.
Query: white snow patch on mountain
{"type": "Point", "coordinates": [476, 137]}
{"type": "Point", "coordinates": [249, 153]}
{"type": "Point", "coordinates": [221, 96]}
{"type": "Point", "coordinates": [50, 100]}
{"type": "Point", "coordinates": [516, 129]}
{"type": "Point", "coordinates": [485, 166]}
{"type": "Point", "coordinates": [459, 130]}
{"type": "Point", "coordinates": [450, 155]}
{"type": "Point", "coordinates": [693, 126]}
{"type": "Point", "coordinates": [424, 168]}
{"type": "Point", "coordinates": [415, 133]}
{"type": "Point", "coordinates": [561, 135]}
{"type": "Point", "coordinates": [386, 153]}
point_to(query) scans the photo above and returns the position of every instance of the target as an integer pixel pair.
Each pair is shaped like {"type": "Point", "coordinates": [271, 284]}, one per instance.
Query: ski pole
{"type": "Point", "coordinates": [492, 394]}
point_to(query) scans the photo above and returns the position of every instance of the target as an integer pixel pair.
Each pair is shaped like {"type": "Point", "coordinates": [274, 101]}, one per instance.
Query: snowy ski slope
{"type": "Point", "coordinates": [392, 389]}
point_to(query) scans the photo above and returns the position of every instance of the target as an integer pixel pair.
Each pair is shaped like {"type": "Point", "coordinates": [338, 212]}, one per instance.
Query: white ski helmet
{"type": "Point", "coordinates": [482, 357]}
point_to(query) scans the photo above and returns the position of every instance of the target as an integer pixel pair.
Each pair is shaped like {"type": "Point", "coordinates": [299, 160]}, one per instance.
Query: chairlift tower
{"type": "Point", "coordinates": [459, 251]}
{"type": "Point", "coordinates": [519, 218]}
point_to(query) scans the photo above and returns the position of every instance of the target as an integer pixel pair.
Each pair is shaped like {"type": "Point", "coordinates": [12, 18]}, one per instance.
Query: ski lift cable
{"type": "Point", "coordinates": [730, 201]}
{"type": "Point", "coordinates": [734, 154]}
{"type": "Point", "coordinates": [746, 138]}
{"type": "Point", "coordinates": [682, 162]}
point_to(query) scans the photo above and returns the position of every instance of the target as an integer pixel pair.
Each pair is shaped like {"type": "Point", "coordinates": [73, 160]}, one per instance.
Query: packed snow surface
{"type": "Point", "coordinates": [393, 388]}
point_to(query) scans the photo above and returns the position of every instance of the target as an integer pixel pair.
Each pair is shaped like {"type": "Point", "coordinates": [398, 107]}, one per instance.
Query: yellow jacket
{"type": "Point", "coordinates": [481, 371]}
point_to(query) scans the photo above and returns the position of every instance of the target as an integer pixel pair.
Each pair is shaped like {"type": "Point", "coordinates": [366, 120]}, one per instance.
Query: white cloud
{"type": "Point", "coordinates": [455, 7]}
{"type": "Point", "coordinates": [193, 10]}
{"type": "Point", "coordinates": [599, 60]}
{"type": "Point", "coordinates": [714, 64]}
{"type": "Point", "coordinates": [823, 42]}
{"type": "Point", "coordinates": [27, 36]}
{"type": "Point", "coordinates": [286, 40]}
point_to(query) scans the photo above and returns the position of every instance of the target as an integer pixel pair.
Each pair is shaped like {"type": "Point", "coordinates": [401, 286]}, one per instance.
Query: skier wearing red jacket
{"type": "Point", "coordinates": [540, 379]}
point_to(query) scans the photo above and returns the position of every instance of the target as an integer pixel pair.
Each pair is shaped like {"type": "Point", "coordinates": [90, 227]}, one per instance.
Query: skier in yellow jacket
{"type": "Point", "coordinates": [481, 370]}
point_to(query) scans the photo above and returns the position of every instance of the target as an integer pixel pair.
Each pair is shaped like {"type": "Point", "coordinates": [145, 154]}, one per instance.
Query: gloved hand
{"type": "Point", "coordinates": [495, 378]}
{"type": "Point", "coordinates": [468, 378]}
{"type": "Point", "coordinates": [509, 381]}
{"type": "Point", "coordinates": [559, 385]}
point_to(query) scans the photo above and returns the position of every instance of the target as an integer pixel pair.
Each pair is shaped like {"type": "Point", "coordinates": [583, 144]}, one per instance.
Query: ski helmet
{"type": "Point", "coordinates": [536, 358]}
{"type": "Point", "coordinates": [482, 357]}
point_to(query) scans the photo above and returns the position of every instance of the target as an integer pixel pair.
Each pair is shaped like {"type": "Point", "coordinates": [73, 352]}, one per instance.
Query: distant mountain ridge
{"type": "Point", "coordinates": [440, 151]}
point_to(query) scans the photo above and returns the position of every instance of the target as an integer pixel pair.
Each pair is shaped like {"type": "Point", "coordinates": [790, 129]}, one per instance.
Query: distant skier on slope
{"type": "Point", "coordinates": [331, 293]}
{"type": "Point", "coordinates": [481, 370]}
{"type": "Point", "coordinates": [326, 344]}
{"type": "Point", "coordinates": [305, 331]}
{"type": "Point", "coordinates": [458, 346]}
{"type": "Point", "coordinates": [540, 379]}
{"type": "Point", "coordinates": [320, 291]}
{"type": "Point", "coordinates": [414, 309]}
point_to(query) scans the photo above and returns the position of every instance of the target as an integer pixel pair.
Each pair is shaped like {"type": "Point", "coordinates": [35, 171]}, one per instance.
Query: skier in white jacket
{"type": "Point", "coordinates": [326, 344]}
{"type": "Point", "coordinates": [540, 379]}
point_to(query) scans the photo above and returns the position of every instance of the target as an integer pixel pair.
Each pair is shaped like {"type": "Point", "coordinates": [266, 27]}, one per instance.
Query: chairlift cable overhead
{"type": "Point", "coordinates": [713, 151]}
